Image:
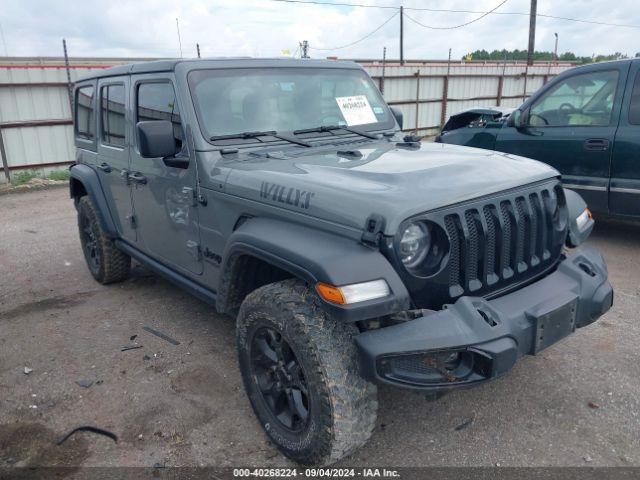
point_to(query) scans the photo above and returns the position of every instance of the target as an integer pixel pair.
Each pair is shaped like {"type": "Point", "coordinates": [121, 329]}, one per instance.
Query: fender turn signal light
{"type": "Point", "coordinates": [354, 293]}
{"type": "Point", "coordinates": [330, 293]}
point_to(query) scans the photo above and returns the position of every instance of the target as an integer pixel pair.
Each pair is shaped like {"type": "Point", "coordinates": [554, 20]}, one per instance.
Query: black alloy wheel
{"type": "Point", "coordinates": [280, 378]}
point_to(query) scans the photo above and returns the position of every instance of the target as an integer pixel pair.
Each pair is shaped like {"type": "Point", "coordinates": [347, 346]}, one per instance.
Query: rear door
{"type": "Point", "coordinates": [163, 195]}
{"type": "Point", "coordinates": [113, 151]}
{"type": "Point", "coordinates": [624, 192]}
{"type": "Point", "coordinates": [571, 125]}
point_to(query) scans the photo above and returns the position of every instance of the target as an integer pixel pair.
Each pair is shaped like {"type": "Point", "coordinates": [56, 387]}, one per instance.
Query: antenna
{"type": "Point", "coordinates": [179, 39]}
{"type": "Point", "coordinates": [4, 43]}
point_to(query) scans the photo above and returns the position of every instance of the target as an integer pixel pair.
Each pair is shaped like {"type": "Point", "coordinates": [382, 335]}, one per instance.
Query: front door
{"type": "Point", "coordinates": [164, 196]}
{"type": "Point", "coordinates": [571, 126]}
{"type": "Point", "coordinates": [624, 192]}
{"type": "Point", "coordinates": [113, 152]}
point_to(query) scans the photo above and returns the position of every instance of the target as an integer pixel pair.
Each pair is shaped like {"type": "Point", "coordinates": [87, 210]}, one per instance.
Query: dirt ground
{"type": "Point", "coordinates": [577, 403]}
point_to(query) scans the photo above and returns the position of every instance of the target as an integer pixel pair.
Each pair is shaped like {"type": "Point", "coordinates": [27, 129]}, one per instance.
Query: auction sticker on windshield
{"type": "Point", "coordinates": [356, 110]}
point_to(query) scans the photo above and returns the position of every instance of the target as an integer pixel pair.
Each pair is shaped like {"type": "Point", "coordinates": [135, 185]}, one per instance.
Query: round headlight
{"type": "Point", "coordinates": [414, 244]}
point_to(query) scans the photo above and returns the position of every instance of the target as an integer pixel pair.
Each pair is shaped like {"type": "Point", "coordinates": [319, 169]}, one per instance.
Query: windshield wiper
{"type": "Point", "coordinates": [269, 133]}
{"type": "Point", "coordinates": [329, 128]}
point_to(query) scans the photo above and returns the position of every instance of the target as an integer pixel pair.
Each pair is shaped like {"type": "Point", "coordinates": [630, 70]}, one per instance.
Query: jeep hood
{"type": "Point", "coordinates": [383, 178]}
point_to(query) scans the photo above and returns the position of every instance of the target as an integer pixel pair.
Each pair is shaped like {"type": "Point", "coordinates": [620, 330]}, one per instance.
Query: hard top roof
{"type": "Point", "coordinates": [169, 65]}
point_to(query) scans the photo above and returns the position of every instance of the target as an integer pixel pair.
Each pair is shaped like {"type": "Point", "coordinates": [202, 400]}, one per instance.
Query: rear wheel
{"type": "Point", "coordinates": [300, 372]}
{"type": "Point", "coordinates": [106, 263]}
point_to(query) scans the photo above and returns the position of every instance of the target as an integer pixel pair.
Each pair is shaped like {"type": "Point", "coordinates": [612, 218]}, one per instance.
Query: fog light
{"type": "Point", "coordinates": [449, 360]}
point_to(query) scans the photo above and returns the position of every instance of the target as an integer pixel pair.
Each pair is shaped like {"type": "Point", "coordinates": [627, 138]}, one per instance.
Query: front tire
{"type": "Point", "coordinates": [106, 263]}
{"type": "Point", "coordinates": [300, 371]}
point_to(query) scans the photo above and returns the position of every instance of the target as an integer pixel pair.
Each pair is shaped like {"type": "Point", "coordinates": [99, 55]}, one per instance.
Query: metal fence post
{"type": "Point", "coordinates": [384, 64]}
{"type": "Point", "coordinates": [445, 92]}
{"type": "Point", "coordinates": [5, 160]}
{"type": "Point", "coordinates": [417, 98]}
{"type": "Point", "coordinates": [501, 82]}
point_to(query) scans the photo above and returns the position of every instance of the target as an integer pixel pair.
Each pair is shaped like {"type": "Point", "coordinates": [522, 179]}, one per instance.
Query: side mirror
{"type": "Point", "coordinates": [398, 114]}
{"type": "Point", "coordinates": [156, 139]}
{"type": "Point", "coordinates": [517, 120]}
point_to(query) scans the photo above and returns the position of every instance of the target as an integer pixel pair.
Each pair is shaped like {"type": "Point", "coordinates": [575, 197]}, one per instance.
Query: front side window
{"type": "Point", "coordinates": [580, 100]}
{"type": "Point", "coordinates": [157, 101]}
{"type": "Point", "coordinates": [85, 122]}
{"type": "Point", "coordinates": [285, 99]}
{"type": "Point", "coordinates": [113, 115]}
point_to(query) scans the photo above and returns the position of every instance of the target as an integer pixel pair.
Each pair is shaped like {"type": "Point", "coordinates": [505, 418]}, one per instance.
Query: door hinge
{"type": "Point", "coordinates": [194, 250]}
{"type": "Point", "coordinates": [133, 221]}
{"type": "Point", "coordinates": [190, 194]}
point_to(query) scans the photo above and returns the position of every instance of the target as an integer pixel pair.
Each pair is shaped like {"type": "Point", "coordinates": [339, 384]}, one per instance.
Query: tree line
{"type": "Point", "coordinates": [512, 55]}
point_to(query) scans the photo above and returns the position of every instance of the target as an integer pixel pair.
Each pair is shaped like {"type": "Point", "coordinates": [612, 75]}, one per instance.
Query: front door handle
{"type": "Point", "coordinates": [105, 167]}
{"type": "Point", "coordinates": [596, 144]}
{"type": "Point", "coordinates": [137, 177]}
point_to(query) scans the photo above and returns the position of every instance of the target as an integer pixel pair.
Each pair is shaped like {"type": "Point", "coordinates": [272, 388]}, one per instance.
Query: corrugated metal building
{"type": "Point", "coordinates": [35, 115]}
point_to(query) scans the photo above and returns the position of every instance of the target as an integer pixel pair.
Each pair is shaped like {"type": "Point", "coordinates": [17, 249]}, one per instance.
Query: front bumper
{"type": "Point", "coordinates": [475, 340]}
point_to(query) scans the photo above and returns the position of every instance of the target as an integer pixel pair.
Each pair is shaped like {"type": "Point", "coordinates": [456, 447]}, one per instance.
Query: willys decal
{"type": "Point", "coordinates": [287, 195]}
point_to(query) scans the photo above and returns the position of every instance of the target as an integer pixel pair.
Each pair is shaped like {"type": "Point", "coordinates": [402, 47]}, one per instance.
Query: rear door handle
{"type": "Point", "coordinates": [105, 167]}
{"type": "Point", "coordinates": [596, 144]}
{"type": "Point", "coordinates": [137, 177]}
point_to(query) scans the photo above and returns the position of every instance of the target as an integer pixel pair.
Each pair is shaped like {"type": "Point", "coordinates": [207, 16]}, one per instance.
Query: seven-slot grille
{"type": "Point", "coordinates": [503, 241]}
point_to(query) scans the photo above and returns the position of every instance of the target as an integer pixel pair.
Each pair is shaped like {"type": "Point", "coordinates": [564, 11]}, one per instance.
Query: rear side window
{"type": "Point", "coordinates": [157, 101]}
{"type": "Point", "coordinates": [113, 115]}
{"type": "Point", "coordinates": [634, 107]}
{"type": "Point", "coordinates": [85, 120]}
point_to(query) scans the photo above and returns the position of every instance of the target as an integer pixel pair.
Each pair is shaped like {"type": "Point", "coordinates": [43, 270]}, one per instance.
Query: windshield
{"type": "Point", "coordinates": [285, 100]}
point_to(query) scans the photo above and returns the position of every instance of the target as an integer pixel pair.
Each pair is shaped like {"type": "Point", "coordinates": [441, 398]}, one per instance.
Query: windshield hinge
{"type": "Point", "coordinates": [373, 229]}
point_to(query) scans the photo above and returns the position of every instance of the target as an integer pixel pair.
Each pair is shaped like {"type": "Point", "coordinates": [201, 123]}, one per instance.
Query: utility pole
{"type": "Point", "coordinates": [198, 49]}
{"type": "Point", "coordinates": [304, 49]}
{"type": "Point", "coordinates": [532, 31]}
{"type": "Point", "coordinates": [555, 50]}
{"type": "Point", "coordinates": [401, 35]}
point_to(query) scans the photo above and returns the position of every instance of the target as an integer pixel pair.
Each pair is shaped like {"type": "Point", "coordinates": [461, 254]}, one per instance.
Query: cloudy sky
{"type": "Point", "coordinates": [147, 28]}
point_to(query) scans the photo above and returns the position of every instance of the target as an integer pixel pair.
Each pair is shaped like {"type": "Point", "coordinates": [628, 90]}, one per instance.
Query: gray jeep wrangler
{"type": "Point", "coordinates": [284, 193]}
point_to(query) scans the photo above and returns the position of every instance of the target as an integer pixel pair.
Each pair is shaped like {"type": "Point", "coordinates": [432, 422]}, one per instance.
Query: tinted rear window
{"type": "Point", "coordinates": [113, 115]}
{"type": "Point", "coordinates": [85, 119]}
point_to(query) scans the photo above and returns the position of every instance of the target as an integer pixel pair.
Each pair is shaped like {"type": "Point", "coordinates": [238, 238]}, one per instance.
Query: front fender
{"type": "Point", "coordinates": [317, 256]}
{"type": "Point", "coordinates": [88, 179]}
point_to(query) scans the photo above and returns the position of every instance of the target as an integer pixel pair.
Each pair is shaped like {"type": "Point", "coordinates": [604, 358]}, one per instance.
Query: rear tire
{"type": "Point", "coordinates": [106, 263]}
{"type": "Point", "coordinates": [296, 359]}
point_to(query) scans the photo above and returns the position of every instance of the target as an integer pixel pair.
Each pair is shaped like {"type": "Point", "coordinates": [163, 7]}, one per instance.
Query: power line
{"type": "Point", "coordinates": [593, 22]}
{"type": "Point", "coordinates": [457, 26]}
{"type": "Point", "coordinates": [446, 10]}
{"type": "Point", "coordinates": [337, 4]}
{"type": "Point", "coordinates": [361, 39]}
